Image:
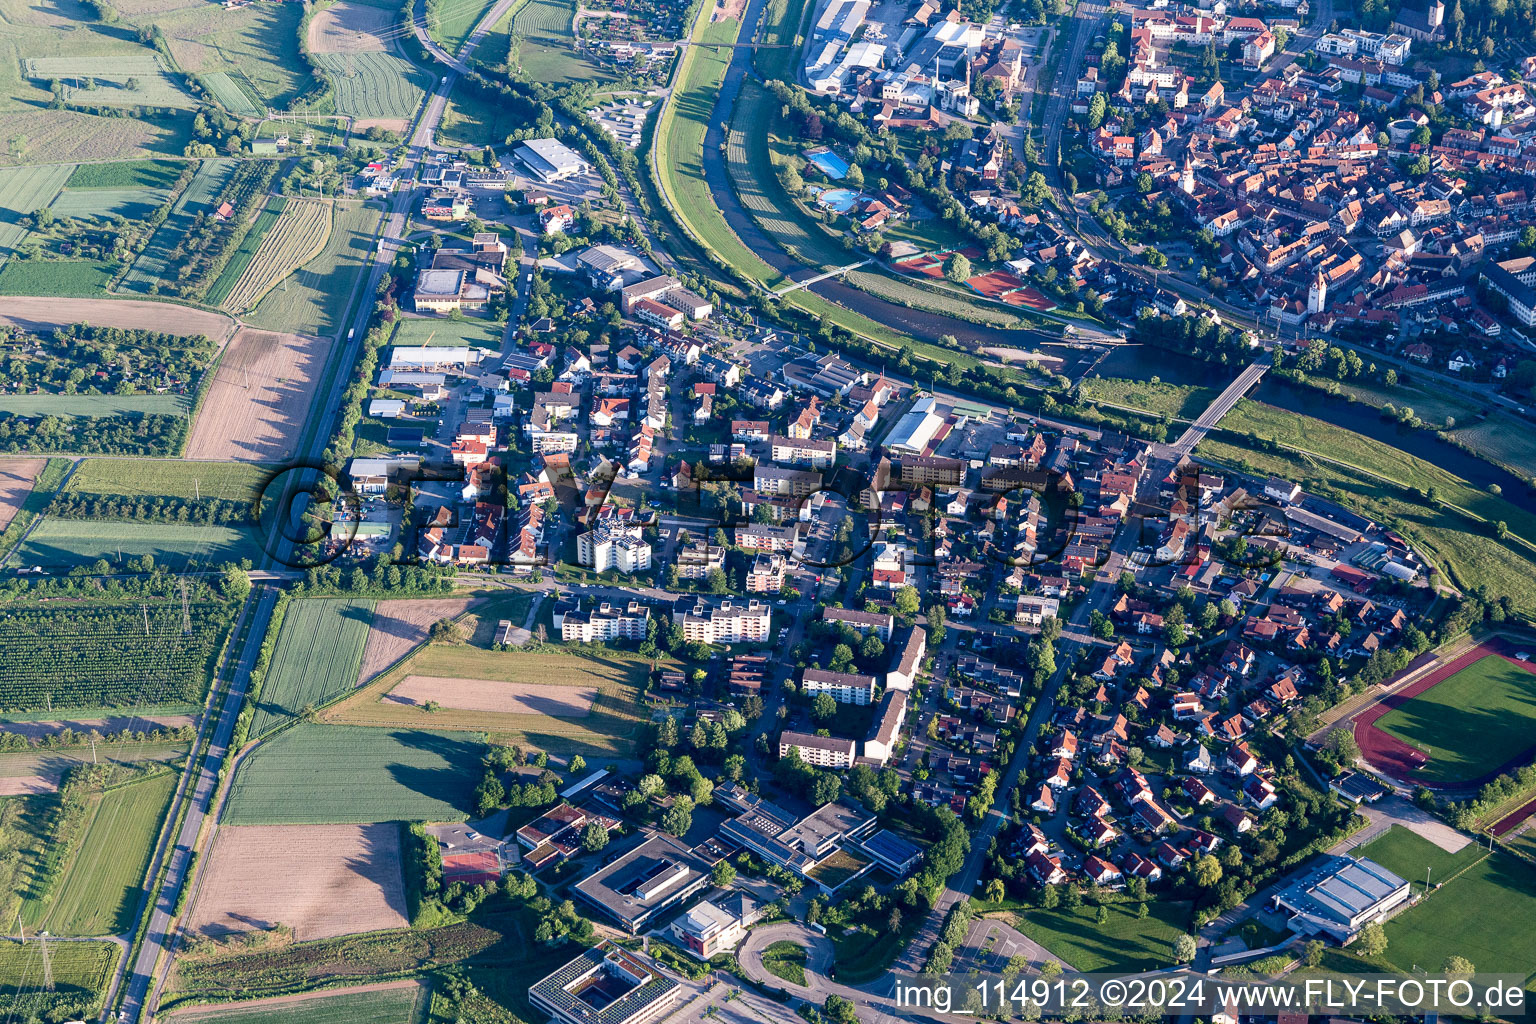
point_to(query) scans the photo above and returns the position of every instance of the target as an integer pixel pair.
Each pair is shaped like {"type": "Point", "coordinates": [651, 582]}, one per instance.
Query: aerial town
{"type": "Point", "coordinates": [607, 512]}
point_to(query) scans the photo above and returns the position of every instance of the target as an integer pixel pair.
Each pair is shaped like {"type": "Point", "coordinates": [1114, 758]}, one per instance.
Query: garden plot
{"type": "Point", "coordinates": [112, 81]}
{"type": "Point", "coordinates": [495, 695]}
{"type": "Point", "coordinates": [154, 267]}
{"type": "Point", "coordinates": [319, 880]}
{"type": "Point", "coordinates": [256, 405]}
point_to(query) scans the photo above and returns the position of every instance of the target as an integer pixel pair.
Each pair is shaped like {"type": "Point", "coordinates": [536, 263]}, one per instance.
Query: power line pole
{"type": "Point", "coordinates": [42, 939]}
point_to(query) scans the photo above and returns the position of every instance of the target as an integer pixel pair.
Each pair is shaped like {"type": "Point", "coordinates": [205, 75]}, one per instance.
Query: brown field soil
{"type": "Point", "coordinates": [140, 723]}
{"type": "Point", "coordinates": [28, 785]}
{"type": "Point", "coordinates": [320, 880]}
{"type": "Point", "coordinates": [399, 627]}
{"type": "Point", "coordinates": [44, 314]}
{"type": "Point", "coordinates": [198, 1015]}
{"type": "Point", "coordinates": [350, 28]}
{"type": "Point", "coordinates": [256, 406]}
{"type": "Point", "coordinates": [496, 695]}
{"type": "Point", "coordinates": [16, 477]}
{"type": "Point", "coordinates": [389, 124]}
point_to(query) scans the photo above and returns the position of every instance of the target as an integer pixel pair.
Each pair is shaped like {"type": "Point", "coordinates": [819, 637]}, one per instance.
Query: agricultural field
{"type": "Point", "coordinates": [127, 314]}
{"type": "Point", "coordinates": [37, 136]}
{"type": "Point", "coordinates": [320, 880]}
{"type": "Point", "coordinates": [1472, 724]}
{"type": "Point", "coordinates": [240, 259]}
{"type": "Point", "coordinates": [152, 271]}
{"type": "Point", "coordinates": [81, 972]}
{"type": "Point", "coordinates": [68, 279]}
{"type": "Point", "coordinates": [449, 23]}
{"type": "Point", "coordinates": [101, 656]}
{"type": "Point", "coordinates": [298, 236]}
{"type": "Point", "coordinates": [23, 505]}
{"type": "Point", "coordinates": [497, 695]}
{"type": "Point", "coordinates": [399, 627]}
{"type": "Point", "coordinates": [228, 481]}
{"type": "Point", "coordinates": [16, 477]}
{"type": "Point", "coordinates": [337, 774]}
{"type": "Point", "coordinates": [1502, 440]}
{"type": "Point", "coordinates": [25, 190]}
{"type": "Point", "coordinates": [112, 81]}
{"type": "Point", "coordinates": [546, 48]}
{"type": "Point", "coordinates": [132, 203]}
{"type": "Point", "coordinates": [400, 1002]}
{"type": "Point", "coordinates": [609, 728]}
{"type": "Point", "coordinates": [28, 772]}
{"type": "Point", "coordinates": [437, 331]}
{"type": "Point", "coordinates": [62, 544]}
{"type": "Point", "coordinates": [316, 660]}
{"type": "Point", "coordinates": [254, 409]}
{"type": "Point", "coordinates": [374, 86]}
{"type": "Point", "coordinates": [1481, 911]}
{"type": "Point", "coordinates": [352, 27]}
{"type": "Point", "coordinates": [158, 174]}
{"type": "Point", "coordinates": [100, 890]}
{"type": "Point", "coordinates": [94, 406]}
{"type": "Point", "coordinates": [255, 49]}
{"type": "Point", "coordinates": [315, 299]}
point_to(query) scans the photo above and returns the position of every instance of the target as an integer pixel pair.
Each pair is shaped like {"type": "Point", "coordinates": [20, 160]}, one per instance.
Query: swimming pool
{"type": "Point", "coordinates": [831, 164]}
{"type": "Point", "coordinates": [839, 200]}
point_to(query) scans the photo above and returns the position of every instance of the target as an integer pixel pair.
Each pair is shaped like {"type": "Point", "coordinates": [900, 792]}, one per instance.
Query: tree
{"type": "Point", "coordinates": [824, 707]}
{"type": "Point", "coordinates": [235, 584]}
{"type": "Point", "coordinates": [907, 601]}
{"type": "Point", "coordinates": [1036, 190]}
{"type": "Point", "coordinates": [1206, 872]}
{"type": "Point", "coordinates": [578, 764]}
{"type": "Point", "coordinates": [1372, 940]}
{"type": "Point", "coordinates": [594, 837]}
{"type": "Point", "coordinates": [957, 269]}
{"type": "Point", "coordinates": [1097, 108]}
{"type": "Point", "coordinates": [995, 890]}
{"type": "Point", "coordinates": [1314, 953]}
{"type": "Point", "coordinates": [1144, 183]}
{"type": "Point", "coordinates": [679, 817]}
{"type": "Point", "coordinates": [1457, 966]}
{"type": "Point", "coordinates": [1185, 948]}
{"type": "Point", "coordinates": [722, 874]}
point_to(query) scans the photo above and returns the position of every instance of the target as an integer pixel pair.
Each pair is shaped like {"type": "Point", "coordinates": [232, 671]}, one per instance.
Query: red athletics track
{"type": "Point", "coordinates": [1507, 824]}
{"type": "Point", "coordinates": [1390, 755]}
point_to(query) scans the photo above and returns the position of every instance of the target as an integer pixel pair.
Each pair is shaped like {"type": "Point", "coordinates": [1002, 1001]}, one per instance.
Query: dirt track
{"type": "Point", "coordinates": [350, 28]}
{"type": "Point", "coordinates": [16, 478]}
{"type": "Point", "coordinates": [42, 314]}
{"type": "Point", "coordinates": [496, 695]}
{"type": "Point", "coordinates": [256, 405]}
{"type": "Point", "coordinates": [320, 880]}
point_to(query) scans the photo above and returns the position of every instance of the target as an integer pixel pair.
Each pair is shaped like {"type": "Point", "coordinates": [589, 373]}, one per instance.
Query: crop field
{"type": "Point", "coordinates": [339, 774]}
{"type": "Point", "coordinates": [610, 727]}
{"type": "Point", "coordinates": [101, 656]}
{"type": "Point", "coordinates": [451, 23]}
{"type": "Point", "coordinates": [154, 265]}
{"type": "Point", "coordinates": [398, 627]}
{"type": "Point", "coordinates": [65, 543]}
{"type": "Point", "coordinates": [25, 190]}
{"type": "Point", "coordinates": [524, 698]}
{"type": "Point", "coordinates": [160, 174]}
{"type": "Point", "coordinates": [1472, 723]}
{"type": "Point", "coordinates": [76, 279]}
{"type": "Point", "coordinates": [320, 880]}
{"type": "Point", "coordinates": [129, 314]}
{"type": "Point", "coordinates": [547, 43]}
{"type": "Point", "coordinates": [1502, 440]}
{"type": "Point", "coordinates": [1482, 911]}
{"type": "Point", "coordinates": [399, 1002]}
{"type": "Point", "coordinates": [99, 893]}
{"type": "Point", "coordinates": [240, 259]}
{"type": "Point", "coordinates": [314, 299]}
{"type": "Point", "coordinates": [255, 407]}
{"type": "Point", "coordinates": [298, 236]}
{"type": "Point", "coordinates": [231, 481]}
{"type": "Point", "coordinates": [116, 81]}
{"type": "Point", "coordinates": [92, 406]}
{"type": "Point", "coordinates": [230, 94]}
{"type": "Point", "coordinates": [256, 48]}
{"type": "Point", "coordinates": [372, 85]}
{"type": "Point", "coordinates": [78, 967]}
{"type": "Point", "coordinates": [437, 331]}
{"type": "Point", "coordinates": [23, 506]}
{"type": "Point", "coordinates": [16, 477]}
{"type": "Point", "coordinates": [348, 27]}
{"type": "Point", "coordinates": [25, 772]}
{"type": "Point", "coordinates": [132, 203]}
{"type": "Point", "coordinates": [315, 661]}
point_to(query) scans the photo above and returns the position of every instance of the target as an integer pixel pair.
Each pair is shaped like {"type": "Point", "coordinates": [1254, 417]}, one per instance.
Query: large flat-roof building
{"type": "Point", "coordinates": [647, 881]}
{"type": "Point", "coordinates": [822, 846]}
{"type": "Point", "coordinates": [550, 160]}
{"type": "Point", "coordinates": [1341, 896]}
{"type": "Point", "coordinates": [915, 429]}
{"type": "Point", "coordinates": [717, 926]}
{"type": "Point", "coordinates": [845, 687]}
{"type": "Point", "coordinates": [606, 985]}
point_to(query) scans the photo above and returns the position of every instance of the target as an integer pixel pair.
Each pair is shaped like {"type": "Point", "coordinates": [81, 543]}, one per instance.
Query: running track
{"type": "Point", "coordinates": [1392, 756]}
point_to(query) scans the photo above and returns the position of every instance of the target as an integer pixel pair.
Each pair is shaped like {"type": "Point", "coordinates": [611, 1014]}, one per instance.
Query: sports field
{"type": "Point", "coordinates": [231, 481]}
{"type": "Point", "coordinates": [99, 893]}
{"type": "Point", "coordinates": [396, 1003]}
{"type": "Point", "coordinates": [437, 331]}
{"type": "Point", "coordinates": [316, 659]}
{"type": "Point", "coordinates": [604, 725]}
{"type": "Point", "coordinates": [1467, 720]}
{"type": "Point", "coordinates": [1482, 912]}
{"type": "Point", "coordinates": [62, 544]}
{"type": "Point", "coordinates": [339, 774]}
{"type": "Point", "coordinates": [314, 299]}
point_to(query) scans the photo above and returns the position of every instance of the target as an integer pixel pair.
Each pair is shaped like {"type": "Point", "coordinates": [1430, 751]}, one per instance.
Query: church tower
{"type": "Point", "coordinates": [1317, 295]}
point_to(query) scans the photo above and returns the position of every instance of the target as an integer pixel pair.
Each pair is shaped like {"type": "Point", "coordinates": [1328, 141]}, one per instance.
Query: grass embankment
{"type": "Point", "coordinates": [1455, 530]}
{"type": "Point", "coordinates": [1179, 401]}
{"type": "Point", "coordinates": [1125, 943]}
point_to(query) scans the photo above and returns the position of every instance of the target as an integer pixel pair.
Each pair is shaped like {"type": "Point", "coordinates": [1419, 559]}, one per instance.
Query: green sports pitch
{"type": "Point", "coordinates": [1473, 723]}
